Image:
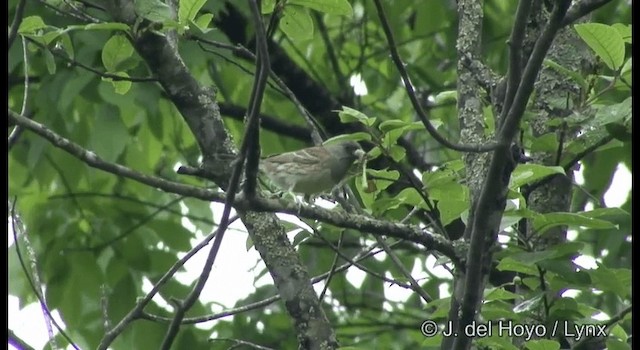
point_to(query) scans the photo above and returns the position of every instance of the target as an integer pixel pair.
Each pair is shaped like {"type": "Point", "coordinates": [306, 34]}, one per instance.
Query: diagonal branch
{"type": "Point", "coordinates": [362, 223]}
{"type": "Point", "coordinates": [395, 56]}
{"type": "Point", "coordinates": [367, 253]}
{"type": "Point", "coordinates": [17, 19]}
{"type": "Point", "coordinates": [487, 211]}
{"type": "Point", "coordinates": [582, 8]}
{"type": "Point", "coordinates": [515, 56]}
{"type": "Point", "coordinates": [74, 63]}
{"type": "Point", "coordinates": [251, 142]}
{"type": "Point", "coordinates": [251, 151]}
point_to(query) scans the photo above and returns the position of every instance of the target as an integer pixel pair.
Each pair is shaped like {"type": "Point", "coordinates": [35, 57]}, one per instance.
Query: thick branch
{"type": "Point", "coordinates": [340, 219]}
{"type": "Point", "coordinates": [490, 205]}
{"type": "Point", "coordinates": [582, 8]}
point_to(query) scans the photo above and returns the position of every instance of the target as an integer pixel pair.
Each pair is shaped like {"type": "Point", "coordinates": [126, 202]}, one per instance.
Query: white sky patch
{"type": "Point", "coordinates": [29, 324]}
{"type": "Point", "coordinates": [578, 176]}
{"type": "Point", "coordinates": [586, 262]}
{"type": "Point", "coordinates": [618, 192]}
{"type": "Point", "coordinates": [571, 293]}
{"type": "Point", "coordinates": [396, 293]}
{"type": "Point", "coordinates": [359, 86]}
{"type": "Point", "coordinates": [355, 276]}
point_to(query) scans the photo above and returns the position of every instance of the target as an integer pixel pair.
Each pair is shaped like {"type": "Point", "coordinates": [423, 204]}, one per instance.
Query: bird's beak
{"type": "Point", "coordinates": [360, 153]}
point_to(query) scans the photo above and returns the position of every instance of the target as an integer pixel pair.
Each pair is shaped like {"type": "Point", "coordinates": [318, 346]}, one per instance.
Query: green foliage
{"type": "Point", "coordinates": [606, 41]}
{"type": "Point", "coordinates": [98, 237]}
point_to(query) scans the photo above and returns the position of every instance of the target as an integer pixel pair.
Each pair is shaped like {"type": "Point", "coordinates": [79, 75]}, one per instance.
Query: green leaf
{"type": "Point", "coordinates": [609, 214]}
{"type": "Point", "coordinates": [189, 9]}
{"type": "Point", "coordinates": [616, 281]}
{"type": "Point", "coordinates": [31, 24]}
{"type": "Point", "coordinates": [397, 153]}
{"type": "Point", "coordinates": [612, 113]}
{"type": "Point", "coordinates": [528, 305]}
{"type": "Point", "coordinates": [394, 124]}
{"type": "Point", "coordinates": [532, 258]}
{"type": "Point", "coordinates": [565, 274]}
{"type": "Point", "coordinates": [356, 136]}
{"type": "Point", "coordinates": [586, 140]}
{"type": "Point", "coordinates": [624, 30]}
{"type": "Point", "coordinates": [50, 61]}
{"type": "Point", "coordinates": [496, 342]}
{"type": "Point", "coordinates": [296, 23]}
{"type": "Point", "coordinates": [446, 97]}
{"type": "Point", "coordinates": [102, 26]}
{"type": "Point", "coordinates": [500, 294]}
{"type": "Point", "coordinates": [545, 143]}
{"type": "Point", "coordinates": [115, 51]}
{"type": "Point", "coordinates": [543, 222]}
{"type": "Point", "coordinates": [17, 285]}
{"type": "Point", "coordinates": [529, 173]}
{"type": "Point", "coordinates": [510, 264]}
{"type": "Point", "coordinates": [333, 7]}
{"type": "Point", "coordinates": [617, 344]}
{"type": "Point", "coordinates": [203, 21]}
{"type": "Point", "coordinates": [572, 74]}
{"type": "Point", "coordinates": [172, 234]}
{"type": "Point", "coordinates": [67, 45]}
{"type": "Point", "coordinates": [109, 135]}
{"type": "Point", "coordinates": [121, 86]}
{"type": "Point", "coordinates": [542, 344]}
{"type": "Point", "coordinates": [268, 6]}
{"type": "Point", "coordinates": [605, 41]}
{"type": "Point", "coordinates": [348, 115]}
{"type": "Point", "coordinates": [383, 178]}
{"type": "Point", "coordinates": [153, 10]}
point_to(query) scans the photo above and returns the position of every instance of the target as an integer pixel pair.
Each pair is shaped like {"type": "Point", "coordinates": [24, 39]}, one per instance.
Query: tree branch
{"type": "Point", "coordinates": [251, 143]}
{"type": "Point", "coordinates": [395, 56]}
{"type": "Point", "coordinates": [515, 57]}
{"type": "Point", "coordinates": [15, 24]}
{"type": "Point", "coordinates": [74, 63]}
{"type": "Point", "coordinates": [262, 303]}
{"type": "Point", "coordinates": [487, 211]}
{"type": "Point", "coordinates": [582, 8]}
{"type": "Point", "coordinates": [340, 219]}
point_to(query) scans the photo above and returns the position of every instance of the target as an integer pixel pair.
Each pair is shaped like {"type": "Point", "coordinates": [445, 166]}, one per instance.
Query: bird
{"type": "Point", "coordinates": [313, 170]}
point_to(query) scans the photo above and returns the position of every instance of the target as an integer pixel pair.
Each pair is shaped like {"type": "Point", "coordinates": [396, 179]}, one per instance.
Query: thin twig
{"type": "Point", "coordinates": [134, 200]}
{"type": "Point", "coordinates": [367, 253]}
{"type": "Point", "coordinates": [361, 267]}
{"type": "Point", "coordinates": [137, 312]}
{"type": "Point", "coordinates": [395, 56]}
{"type": "Point", "coordinates": [32, 283]}
{"type": "Point", "coordinates": [17, 342]}
{"type": "Point", "coordinates": [15, 23]}
{"type": "Point", "coordinates": [515, 57]}
{"type": "Point", "coordinates": [328, 44]}
{"type": "Point", "coordinates": [17, 131]}
{"type": "Point", "coordinates": [238, 342]}
{"type": "Point", "coordinates": [74, 63]}
{"type": "Point", "coordinates": [132, 229]}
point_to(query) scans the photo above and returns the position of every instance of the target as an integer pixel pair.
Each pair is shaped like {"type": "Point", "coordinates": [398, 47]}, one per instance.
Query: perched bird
{"type": "Point", "coordinates": [312, 170]}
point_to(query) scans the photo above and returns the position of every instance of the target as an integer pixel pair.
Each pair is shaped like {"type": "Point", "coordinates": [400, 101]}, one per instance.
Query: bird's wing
{"type": "Point", "coordinates": [311, 155]}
